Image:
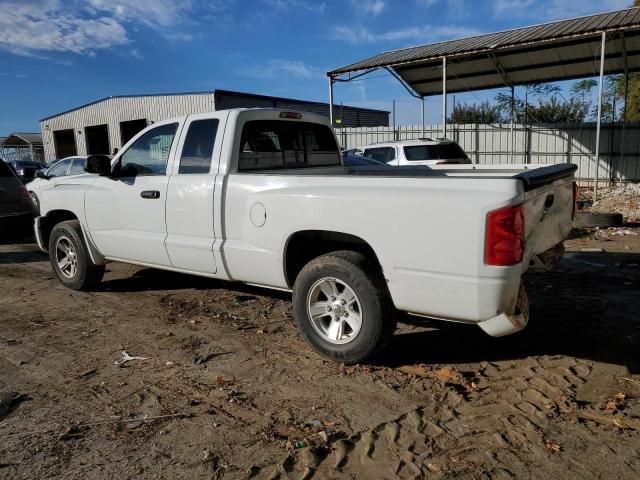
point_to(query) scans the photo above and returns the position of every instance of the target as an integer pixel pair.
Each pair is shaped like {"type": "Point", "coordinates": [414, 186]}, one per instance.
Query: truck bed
{"type": "Point", "coordinates": [532, 175]}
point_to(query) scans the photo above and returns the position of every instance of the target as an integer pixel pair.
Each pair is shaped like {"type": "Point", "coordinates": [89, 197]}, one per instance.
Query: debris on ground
{"type": "Point", "coordinates": [615, 402]}
{"type": "Point", "coordinates": [552, 447]}
{"type": "Point", "coordinates": [316, 440]}
{"type": "Point", "coordinates": [128, 358]}
{"type": "Point", "coordinates": [623, 199]}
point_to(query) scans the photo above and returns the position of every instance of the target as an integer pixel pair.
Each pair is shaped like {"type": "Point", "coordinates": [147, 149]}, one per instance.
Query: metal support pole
{"type": "Point", "coordinates": [599, 119]}
{"type": "Point", "coordinates": [394, 120]}
{"type": "Point", "coordinates": [444, 97]}
{"type": "Point", "coordinates": [511, 131]}
{"type": "Point", "coordinates": [621, 162]}
{"type": "Point", "coordinates": [331, 100]}
{"type": "Point", "coordinates": [422, 113]}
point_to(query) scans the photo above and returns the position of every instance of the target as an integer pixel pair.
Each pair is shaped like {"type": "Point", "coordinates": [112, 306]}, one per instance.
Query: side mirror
{"type": "Point", "coordinates": [41, 174]}
{"type": "Point", "coordinates": [100, 164]}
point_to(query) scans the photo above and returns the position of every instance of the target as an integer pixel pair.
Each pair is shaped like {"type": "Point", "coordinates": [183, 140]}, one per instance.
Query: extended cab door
{"type": "Point", "coordinates": [126, 212]}
{"type": "Point", "coordinates": [190, 204]}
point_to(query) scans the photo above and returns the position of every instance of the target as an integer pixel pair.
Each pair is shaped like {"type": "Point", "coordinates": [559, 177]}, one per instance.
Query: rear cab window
{"type": "Point", "coordinates": [282, 144]}
{"type": "Point", "coordinates": [442, 151]}
{"type": "Point", "coordinates": [382, 154]}
{"type": "Point", "coordinates": [197, 151]}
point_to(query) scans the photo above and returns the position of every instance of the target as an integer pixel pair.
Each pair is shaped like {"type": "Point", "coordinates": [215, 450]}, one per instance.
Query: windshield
{"type": "Point", "coordinates": [278, 144]}
{"type": "Point", "coordinates": [441, 151]}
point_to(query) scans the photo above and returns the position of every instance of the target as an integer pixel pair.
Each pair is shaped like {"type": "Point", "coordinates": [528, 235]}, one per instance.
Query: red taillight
{"type": "Point", "coordinates": [505, 236]}
{"type": "Point", "coordinates": [24, 193]}
{"type": "Point", "coordinates": [575, 201]}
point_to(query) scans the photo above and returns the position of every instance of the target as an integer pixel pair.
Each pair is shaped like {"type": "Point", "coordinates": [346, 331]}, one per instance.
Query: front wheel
{"type": "Point", "coordinates": [70, 258]}
{"type": "Point", "coordinates": [342, 306]}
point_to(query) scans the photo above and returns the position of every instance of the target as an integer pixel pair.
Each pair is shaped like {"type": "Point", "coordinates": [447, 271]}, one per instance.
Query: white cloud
{"type": "Point", "coordinates": [458, 6]}
{"type": "Point", "coordinates": [16, 75]}
{"type": "Point", "coordinates": [285, 5]}
{"type": "Point", "coordinates": [554, 9]}
{"type": "Point", "coordinates": [153, 13]}
{"type": "Point", "coordinates": [28, 27]}
{"type": "Point", "coordinates": [425, 33]}
{"type": "Point", "coordinates": [373, 7]}
{"type": "Point", "coordinates": [277, 67]}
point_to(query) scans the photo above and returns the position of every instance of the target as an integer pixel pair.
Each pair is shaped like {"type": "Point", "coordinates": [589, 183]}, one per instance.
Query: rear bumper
{"type": "Point", "coordinates": [466, 299]}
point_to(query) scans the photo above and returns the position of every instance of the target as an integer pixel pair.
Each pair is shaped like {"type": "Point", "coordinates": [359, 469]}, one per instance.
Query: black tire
{"type": "Point", "coordinates": [378, 317]}
{"type": "Point", "coordinates": [86, 274]}
{"type": "Point", "coordinates": [597, 219]}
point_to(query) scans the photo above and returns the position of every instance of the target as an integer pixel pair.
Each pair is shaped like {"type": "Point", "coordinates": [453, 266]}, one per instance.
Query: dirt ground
{"type": "Point", "coordinates": [229, 390]}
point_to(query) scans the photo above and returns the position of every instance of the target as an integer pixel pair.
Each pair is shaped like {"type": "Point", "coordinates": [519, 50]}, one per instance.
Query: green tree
{"type": "Point", "coordinates": [484, 112]}
{"type": "Point", "coordinates": [632, 91]}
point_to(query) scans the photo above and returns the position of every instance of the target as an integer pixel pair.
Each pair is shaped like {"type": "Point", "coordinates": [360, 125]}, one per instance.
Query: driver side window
{"type": "Point", "coordinates": [148, 155]}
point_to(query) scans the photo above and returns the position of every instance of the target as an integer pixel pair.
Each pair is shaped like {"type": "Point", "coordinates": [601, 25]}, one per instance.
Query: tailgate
{"type": "Point", "coordinates": [548, 207]}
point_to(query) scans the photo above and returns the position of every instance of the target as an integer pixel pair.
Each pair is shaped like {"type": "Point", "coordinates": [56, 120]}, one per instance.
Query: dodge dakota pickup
{"type": "Point", "coordinates": [261, 196]}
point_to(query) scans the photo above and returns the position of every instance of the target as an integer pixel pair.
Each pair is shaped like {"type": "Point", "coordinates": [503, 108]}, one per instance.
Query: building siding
{"type": "Point", "coordinates": [112, 111]}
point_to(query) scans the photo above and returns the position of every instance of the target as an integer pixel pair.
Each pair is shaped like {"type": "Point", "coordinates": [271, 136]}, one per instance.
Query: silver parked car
{"type": "Point", "coordinates": [15, 204]}
{"type": "Point", "coordinates": [66, 167]}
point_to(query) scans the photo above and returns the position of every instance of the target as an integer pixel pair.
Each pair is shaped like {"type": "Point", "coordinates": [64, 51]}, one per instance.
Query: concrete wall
{"type": "Point", "coordinates": [114, 110]}
{"type": "Point", "coordinates": [492, 144]}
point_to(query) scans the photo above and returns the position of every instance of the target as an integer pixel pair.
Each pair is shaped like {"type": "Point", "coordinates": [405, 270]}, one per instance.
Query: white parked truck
{"type": "Point", "coordinates": [260, 196]}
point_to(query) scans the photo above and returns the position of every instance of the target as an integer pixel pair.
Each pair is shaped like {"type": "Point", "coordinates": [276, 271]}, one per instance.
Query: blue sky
{"type": "Point", "coordinates": [57, 54]}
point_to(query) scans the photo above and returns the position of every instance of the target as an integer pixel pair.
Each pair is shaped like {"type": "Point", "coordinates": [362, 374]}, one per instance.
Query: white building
{"type": "Point", "coordinates": [100, 127]}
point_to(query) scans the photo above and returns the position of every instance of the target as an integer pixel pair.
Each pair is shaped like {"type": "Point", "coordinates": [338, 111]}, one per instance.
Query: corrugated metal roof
{"type": "Point", "coordinates": [558, 50]}
{"type": "Point", "coordinates": [21, 138]}
{"type": "Point", "coordinates": [124, 96]}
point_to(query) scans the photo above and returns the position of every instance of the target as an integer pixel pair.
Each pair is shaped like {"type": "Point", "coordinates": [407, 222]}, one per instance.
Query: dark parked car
{"type": "Point", "coordinates": [15, 203]}
{"type": "Point", "coordinates": [26, 169]}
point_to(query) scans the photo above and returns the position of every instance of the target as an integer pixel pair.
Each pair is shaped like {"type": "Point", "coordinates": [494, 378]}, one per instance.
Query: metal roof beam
{"type": "Point", "coordinates": [435, 62]}
{"type": "Point", "coordinates": [537, 66]}
{"type": "Point", "coordinates": [500, 70]}
{"type": "Point", "coordinates": [407, 87]}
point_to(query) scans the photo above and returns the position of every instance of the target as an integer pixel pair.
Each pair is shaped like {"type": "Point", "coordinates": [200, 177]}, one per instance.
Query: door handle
{"type": "Point", "coordinates": [150, 194]}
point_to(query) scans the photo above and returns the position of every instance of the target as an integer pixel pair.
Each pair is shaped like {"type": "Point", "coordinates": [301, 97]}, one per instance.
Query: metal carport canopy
{"type": "Point", "coordinates": [562, 50]}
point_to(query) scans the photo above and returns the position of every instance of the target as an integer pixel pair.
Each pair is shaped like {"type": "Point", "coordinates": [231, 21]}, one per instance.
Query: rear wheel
{"type": "Point", "coordinates": [342, 306]}
{"type": "Point", "coordinates": [70, 257]}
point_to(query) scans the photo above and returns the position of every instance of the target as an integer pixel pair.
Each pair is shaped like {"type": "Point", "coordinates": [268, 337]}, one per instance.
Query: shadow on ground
{"type": "Point", "coordinates": [150, 279]}
{"type": "Point", "coordinates": [587, 308]}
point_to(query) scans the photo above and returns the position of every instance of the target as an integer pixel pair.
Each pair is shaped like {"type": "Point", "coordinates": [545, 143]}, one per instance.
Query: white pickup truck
{"type": "Point", "coordinates": [260, 196]}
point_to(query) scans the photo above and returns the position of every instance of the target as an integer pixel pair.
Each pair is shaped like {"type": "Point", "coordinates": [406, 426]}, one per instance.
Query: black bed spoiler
{"type": "Point", "coordinates": [545, 175]}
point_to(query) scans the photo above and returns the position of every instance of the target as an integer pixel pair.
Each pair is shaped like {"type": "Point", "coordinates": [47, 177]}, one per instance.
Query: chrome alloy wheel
{"type": "Point", "coordinates": [334, 310]}
{"type": "Point", "coordinates": [66, 257]}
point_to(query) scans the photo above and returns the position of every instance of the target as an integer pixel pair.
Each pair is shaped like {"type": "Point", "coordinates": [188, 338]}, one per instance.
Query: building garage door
{"type": "Point", "coordinates": [97, 138]}
{"type": "Point", "coordinates": [65, 143]}
{"type": "Point", "coordinates": [130, 128]}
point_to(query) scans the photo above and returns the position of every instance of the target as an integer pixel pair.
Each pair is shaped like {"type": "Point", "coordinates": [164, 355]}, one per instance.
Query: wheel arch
{"type": "Point", "coordinates": [45, 224]}
{"type": "Point", "coordinates": [305, 245]}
